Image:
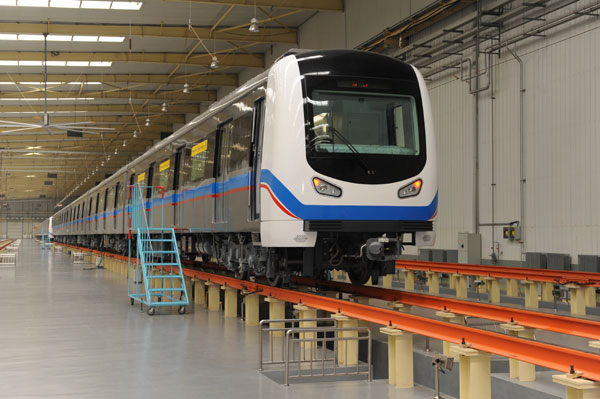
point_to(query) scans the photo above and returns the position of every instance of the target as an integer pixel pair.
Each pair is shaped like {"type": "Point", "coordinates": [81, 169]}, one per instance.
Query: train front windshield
{"type": "Point", "coordinates": [364, 130]}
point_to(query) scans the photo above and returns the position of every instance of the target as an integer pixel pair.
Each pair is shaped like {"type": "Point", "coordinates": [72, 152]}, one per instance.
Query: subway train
{"type": "Point", "coordinates": [325, 161]}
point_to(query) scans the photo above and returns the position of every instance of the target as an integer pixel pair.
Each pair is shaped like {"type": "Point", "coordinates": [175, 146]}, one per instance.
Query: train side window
{"type": "Point", "coordinates": [117, 187]}
{"type": "Point", "coordinates": [164, 170]}
{"type": "Point", "coordinates": [149, 180]}
{"type": "Point", "coordinates": [177, 168]}
{"type": "Point", "coordinates": [202, 158]}
{"type": "Point", "coordinates": [90, 206]}
{"type": "Point", "coordinates": [132, 179]}
{"type": "Point", "coordinates": [107, 192]}
{"type": "Point", "coordinates": [98, 202]}
{"type": "Point", "coordinates": [238, 153]}
{"type": "Point", "coordinates": [82, 209]}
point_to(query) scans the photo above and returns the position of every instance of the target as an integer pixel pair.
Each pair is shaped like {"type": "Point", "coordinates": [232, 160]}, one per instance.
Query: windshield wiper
{"type": "Point", "coordinates": [357, 155]}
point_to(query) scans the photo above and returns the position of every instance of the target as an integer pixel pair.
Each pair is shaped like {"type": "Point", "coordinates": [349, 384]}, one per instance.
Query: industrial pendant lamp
{"type": "Point", "coordinates": [186, 88]}
{"type": "Point", "coordinates": [254, 26]}
{"type": "Point", "coordinates": [164, 107]}
{"type": "Point", "coordinates": [215, 62]}
{"type": "Point", "coordinates": [147, 122]}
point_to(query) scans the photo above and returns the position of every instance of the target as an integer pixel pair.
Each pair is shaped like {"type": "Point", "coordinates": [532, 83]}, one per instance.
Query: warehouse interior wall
{"type": "Point", "coordinates": [560, 133]}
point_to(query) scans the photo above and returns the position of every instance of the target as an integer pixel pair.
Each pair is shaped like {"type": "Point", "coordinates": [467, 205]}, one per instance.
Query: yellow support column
{"type": "Point", "coordinates": [433, 281]}
{"type": "Point", "coordinates": [399, 307]}
{"type": "Point", "coordinates": [518, 369]}
{"type": "Point", "coordinates": [387, 281]}
{"type": "Point", "coordinates": [493, 288]}
{"type": "Point", "coordinates": [475, 373]}
{"type": "Point", "coordinates": [531, 294]}
{"type": "Point", "coordinates": [461, 285]}
{"type": "Point", "coordinates": [308, 349]}
{"type": "Point", "coordinates": [512, 288]}
{"type": "Point", "coordinates": [363, 300]}
{"type": "Point", "coordinates": [347, 349]}
{"type": "Point", "coordinates": [276, 312]}
{"type": "Point", "coordinates": [199, 292]}
{"type": "Point", "coordinates": [400, 357]}
{"type": "Point", "coordinates": [590, 297]}
{"type": "Point", "coordinates": [213, 296]}
{"type": "Point", "coordinates": [577, 299]}
{"type": "Point", "coordinates": [409, 280]}
{"type": "Point", "coordinates": [449, 317]}
{"type": "Point", "coordinates": [452, 282]}
{"type": "Point", "coordinates": [231, 301]}
{"type": "Point", "coordinates": [251, 307]}
{"type": "Point", "coordinates": [547, 292]}
{"type": "Point", "coordinates": [577, 387]}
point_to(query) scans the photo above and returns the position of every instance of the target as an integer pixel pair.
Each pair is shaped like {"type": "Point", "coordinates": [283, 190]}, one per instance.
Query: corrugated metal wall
{"type": "Point", "coordinates": [562, 140]}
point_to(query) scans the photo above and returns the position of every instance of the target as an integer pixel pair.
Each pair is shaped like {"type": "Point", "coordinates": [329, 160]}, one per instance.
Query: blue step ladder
{"type": "Point", "coordinates": [45, 243]}
{"type": "Point", "coordinates": [155, 277]}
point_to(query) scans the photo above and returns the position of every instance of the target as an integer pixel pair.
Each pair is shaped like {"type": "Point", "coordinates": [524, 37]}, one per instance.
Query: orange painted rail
{"type": "Point", "coordinates": [517, 273]}
{"type": "Point", "coordinates": [539, 320]}
{"type": "Point", "coordinates": [542, 354]}
{"type": "Point", "coordinates": [545, 355]}
{"type": "Point", "coordinates": [5, 243]}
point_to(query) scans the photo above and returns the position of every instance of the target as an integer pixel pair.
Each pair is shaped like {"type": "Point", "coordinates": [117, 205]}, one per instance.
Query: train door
{"type": "Point", "coordinates": [176, 195]}
{"type": "Point", "coordinates": [149, 195]}
{"type": "Point", "coordinates": [256, 158]}
{"type": "Point", "coordinates": [96, 213]}
{"type": "Point", "coordinates": [103, 210]}
{"type": "Point", "coordinates": [116, 204]}
{"type": "Point", "coordinates": [223, 138]}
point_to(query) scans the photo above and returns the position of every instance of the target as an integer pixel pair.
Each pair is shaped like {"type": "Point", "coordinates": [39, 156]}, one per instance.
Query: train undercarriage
{"type": "Point", "coordinates": [360, 254]}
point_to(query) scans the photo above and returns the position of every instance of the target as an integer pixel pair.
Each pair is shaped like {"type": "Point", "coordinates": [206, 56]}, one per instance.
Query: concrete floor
{"type": "Point", "coordinates": [67, 332]}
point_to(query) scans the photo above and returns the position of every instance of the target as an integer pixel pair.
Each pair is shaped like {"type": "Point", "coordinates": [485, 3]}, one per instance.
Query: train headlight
{"type": "Point", "coordinates": [326, 188]}
{"type": "Point", "coordinates": [411, 190]}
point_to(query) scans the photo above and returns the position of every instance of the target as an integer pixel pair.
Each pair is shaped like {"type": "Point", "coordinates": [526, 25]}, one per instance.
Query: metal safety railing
{"type": "Point", "coordinates": [8, 259]}
{"type": "Point", "coordinates": [309, 352]}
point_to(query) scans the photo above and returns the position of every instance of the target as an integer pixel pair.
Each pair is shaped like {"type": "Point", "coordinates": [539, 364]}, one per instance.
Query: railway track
{"type": "Point", "coordinates": [542, 354]}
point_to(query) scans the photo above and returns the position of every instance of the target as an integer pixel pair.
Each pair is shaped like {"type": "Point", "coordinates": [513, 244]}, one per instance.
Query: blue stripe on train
{"type": "Point", "coordinates": [306, 212]}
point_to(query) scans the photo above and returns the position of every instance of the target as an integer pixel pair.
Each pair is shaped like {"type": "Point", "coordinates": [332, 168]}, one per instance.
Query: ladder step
{"type": "Point", "coordinates": [170, 276]}
{"type": "Point", "coordinates": [165, 289]}
{"type": "Point", "coordinates": [161, 264]}
{"type": "Point", "coordinates": [157, 240]}
{"type": "Point", "coordinates": [162, 252]}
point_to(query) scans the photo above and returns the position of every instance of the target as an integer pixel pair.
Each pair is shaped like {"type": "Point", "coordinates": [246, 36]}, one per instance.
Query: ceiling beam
{"type": "Point", "coordinates": [141, 110]}
{"type": "Point", "coordinates": [96, 120]}
{"type": "Point", "coordinates": [208, 79]}
{"type": "Point", "coordinates": [314, 5]}
{"type": "Point", "coordinates": [202, 59]}
{"type": "Point", "coordinates": [194, 95]}
{"type": "Point", "coordinates": [266, 34]}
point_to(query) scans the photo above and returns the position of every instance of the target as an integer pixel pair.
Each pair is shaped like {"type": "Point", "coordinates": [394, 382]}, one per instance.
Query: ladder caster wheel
{"type": "Point", "coordinates": [181, 310]}
{"type": "Point", "coordinates": [151, 311]}
{"type": "Point", "coordinates": [132, 301]}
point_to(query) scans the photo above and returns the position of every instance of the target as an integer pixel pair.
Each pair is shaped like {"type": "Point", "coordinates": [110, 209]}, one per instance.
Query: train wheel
{"type": "Point", "coordinates": [275, 281]}
{"type": "Point", "coordinates": [359, 275]}
{"type": "Point", "coordinates": [241, 273]}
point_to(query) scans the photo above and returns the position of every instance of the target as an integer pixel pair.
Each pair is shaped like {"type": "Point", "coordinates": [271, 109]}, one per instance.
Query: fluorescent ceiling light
{"type": "Point", "coordinates": [31, 37]}
{"type": "Point", "coordinates": [33, 153]}
{"type": "Point", "coordinates": [8, 36]}
{"type": "Point", "coordinates": [59, 38]}
{"type": "Point", "coordinates": [30, 175]}
{"type": "Point", "coordinates": [38, 83]}
{"type": "Point", "coordinates": [78, 63]}
{"type": "Point", "coordinates": [65, 3]}
{"type": "Point", "coordinates": [59, 63]}
{"type": "Point", "coordinates": [100, 63]}
{"type": "Point", "coordinates": [8, 2]}
{"type": "Point", "coordinates": [100, 5]}
{"type": "Point", "coordinates": [32, 3]}
{"type": "Point", "coordinates": [85, 38]}
{"type": "Point", "coordinates": [111, 39]}
{"type": "Point", "coordinates": [126, 5]}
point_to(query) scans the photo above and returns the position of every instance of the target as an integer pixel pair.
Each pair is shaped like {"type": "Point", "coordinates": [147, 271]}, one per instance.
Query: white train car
{"type": "Point", "coordinates": [327, 160]}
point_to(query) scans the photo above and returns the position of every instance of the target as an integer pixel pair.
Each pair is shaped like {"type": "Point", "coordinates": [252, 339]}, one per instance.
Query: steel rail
{"type": "Point", "coordinates": [518, 273]}
{"type": "Point", "coordinates": [5, 243]}
{"type": "Point", "coordinates": [542, 354]}
{"type": "Point", "coordinates": [544, 321]}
